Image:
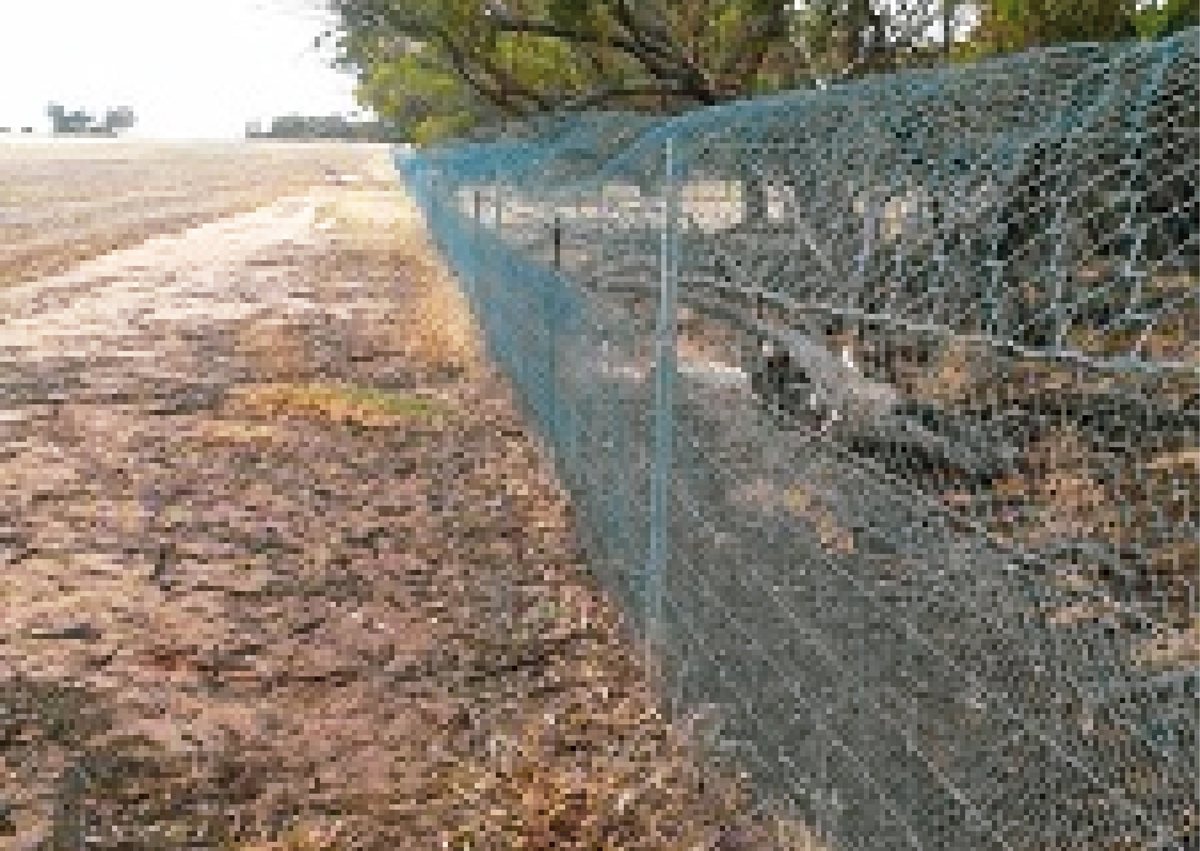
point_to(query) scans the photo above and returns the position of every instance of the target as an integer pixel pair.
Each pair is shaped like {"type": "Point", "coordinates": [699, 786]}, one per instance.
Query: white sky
{"type": "Point", "coordinates": [188, 68]}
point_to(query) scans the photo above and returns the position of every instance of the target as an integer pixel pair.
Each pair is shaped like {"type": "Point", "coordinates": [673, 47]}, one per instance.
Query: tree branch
{"type": "Point", "coordinates": [616, 92]}
{"type": "Point", "coordinates": [509, 83]}
{"type": "Point", "coordinates": [644, 42]}
{"type": "Point", "coordinates": [461, 65]}
{"type": "Point", "coordinates": [764, 29]}
{"type": "Point", "coordinates": [685, 71]}
{"type": "Point", "coordinates": [653, 57]}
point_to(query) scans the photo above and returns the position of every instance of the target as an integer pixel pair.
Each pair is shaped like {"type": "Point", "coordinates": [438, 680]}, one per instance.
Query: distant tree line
{"type": "Point", "coordinates": [79, 122]}
{"type": "Point", "coordinates": [322, 127]}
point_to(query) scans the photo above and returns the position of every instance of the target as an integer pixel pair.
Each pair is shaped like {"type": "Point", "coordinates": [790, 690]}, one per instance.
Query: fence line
{"type": "Point", "coordinates": [880, 407]}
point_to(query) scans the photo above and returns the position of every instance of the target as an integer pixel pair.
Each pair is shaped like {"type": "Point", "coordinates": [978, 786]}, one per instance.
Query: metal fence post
{"type": "Point", "coordinates": [557, 242]}
{"type": "Point", "coordinates": [433, 186]}
{"type": "Point", "coordinates": [493, 309]}
{"type": "Point", "coordinates": [1056, 272]}
{"type": "Point", "coordinates": [477, 238]}
{"type": "Point", "coordinates": [550, 305]}
{"type": "Point", "coordinates": [991, 299]}
{"type": "Point", "coordinates": [664, 426]}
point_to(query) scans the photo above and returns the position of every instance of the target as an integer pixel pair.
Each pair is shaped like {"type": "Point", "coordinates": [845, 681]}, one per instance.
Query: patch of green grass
{"type": "Point", "coordinates": [388, 402]}
{"type": "Point", "coordinates": [341, 403]}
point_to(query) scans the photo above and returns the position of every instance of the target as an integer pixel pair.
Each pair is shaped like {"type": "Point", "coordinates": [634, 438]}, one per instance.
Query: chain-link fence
{"type": "Point", "coordinates": [880, 406]}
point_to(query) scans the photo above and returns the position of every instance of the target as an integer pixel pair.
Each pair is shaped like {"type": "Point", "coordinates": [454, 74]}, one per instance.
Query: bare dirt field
{"type": "Point", "coordinates": [280, 566]}
{"type": "Point", "coordinates": [70, 200]}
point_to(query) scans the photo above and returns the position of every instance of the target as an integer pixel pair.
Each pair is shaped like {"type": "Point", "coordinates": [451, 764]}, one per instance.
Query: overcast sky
{"type": "Point", "coordinates": [189, 68]}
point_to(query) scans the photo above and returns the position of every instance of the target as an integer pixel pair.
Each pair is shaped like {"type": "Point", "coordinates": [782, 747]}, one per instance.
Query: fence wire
{"type": "Point", "coordinates": [923, 537]}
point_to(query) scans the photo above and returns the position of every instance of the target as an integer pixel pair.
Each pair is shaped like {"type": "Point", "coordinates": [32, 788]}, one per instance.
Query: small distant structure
{"type": "Point", "coordinates": [323, 127]}
{"type": "Point", "coordinates": [80, 123]}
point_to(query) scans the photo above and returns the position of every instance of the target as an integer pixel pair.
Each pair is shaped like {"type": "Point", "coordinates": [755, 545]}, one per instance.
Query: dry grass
{"type": "Point", "coordinates": [1178, 461]}
{"type": "Point", "coordinates": [274, 348]}
{"type": "Point", "coordinates": [1174, 336]}
{"type": "Point", "coordinates": [1065, 498]}
{"type": "Point", "coordinates": [229, 432]}
{"type": "Point", "coordinates": [442, 330]}
{"type": "Point", "coordinates": [951, 378]}
{"type": "Point", "coordinates": [808, 504]}
{"type": "Point", "coordinates": [1179, 649]}
{"type": "Point", "coordinates": [639, 789]}
{"type": "Point", "coordinates": [437, 328]}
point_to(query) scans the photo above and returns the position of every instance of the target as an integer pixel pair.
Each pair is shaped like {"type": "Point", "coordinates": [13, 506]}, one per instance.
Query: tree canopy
{"type": "Point", "coordinates": [438, 67]}
{"type": "Point", "coordinates": [446, 63]}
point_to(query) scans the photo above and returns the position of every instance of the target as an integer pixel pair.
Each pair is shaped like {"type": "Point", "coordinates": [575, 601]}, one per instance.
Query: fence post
{"type": "Point", "coordinates": [433, 194]}
{"type": "Point", "coordinates": [477, 238]}
{"type": "Point", "coordinates": [1056, 264]}
{"type": "Point", "coordinates": [494, 293]}
{"type": "Point", "coordinates": [557, 242]}
{"type": "Point", "coordinates": [991, 300]}
{"type": "Point", "coordinates": [664, 426]}
{"type": "Point", "coordinates": [551, 308]}
{"type": "Point", "coordinates": [499, 207]}
{"type": "Point", "coordinates": [871, 216]}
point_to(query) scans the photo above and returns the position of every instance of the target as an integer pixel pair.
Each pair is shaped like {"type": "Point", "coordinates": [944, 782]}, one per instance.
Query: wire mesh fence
{"type": "Point", "coordinates": [880, 406]}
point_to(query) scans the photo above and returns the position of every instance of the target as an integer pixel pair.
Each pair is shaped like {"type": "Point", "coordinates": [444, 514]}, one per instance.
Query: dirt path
{"type": "Point", "coordinates": [280, 567]}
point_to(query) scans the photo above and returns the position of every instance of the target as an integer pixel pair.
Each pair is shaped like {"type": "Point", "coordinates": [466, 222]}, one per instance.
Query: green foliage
{"type": "Point", "coordinates": [571, 13]}
{"type": "Point", "coordinates": [1167, 18]}
{"type": "Point", "coordinates": [435, 128]}
{"type": "Point", "coordinates": [414, 91]}
{"type": "Point", "coordinates": [1013, 25]}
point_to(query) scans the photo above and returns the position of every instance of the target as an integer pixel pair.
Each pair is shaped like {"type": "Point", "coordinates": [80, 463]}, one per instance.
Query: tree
{"type": "Point", "coordinates": [75, 121]}
{"type": "Point", "coordinates": [57, 114]}
{"type": "Point", "coordinates": [118, 119]}
{"type": "Point", "coordinates": [419, 96]}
